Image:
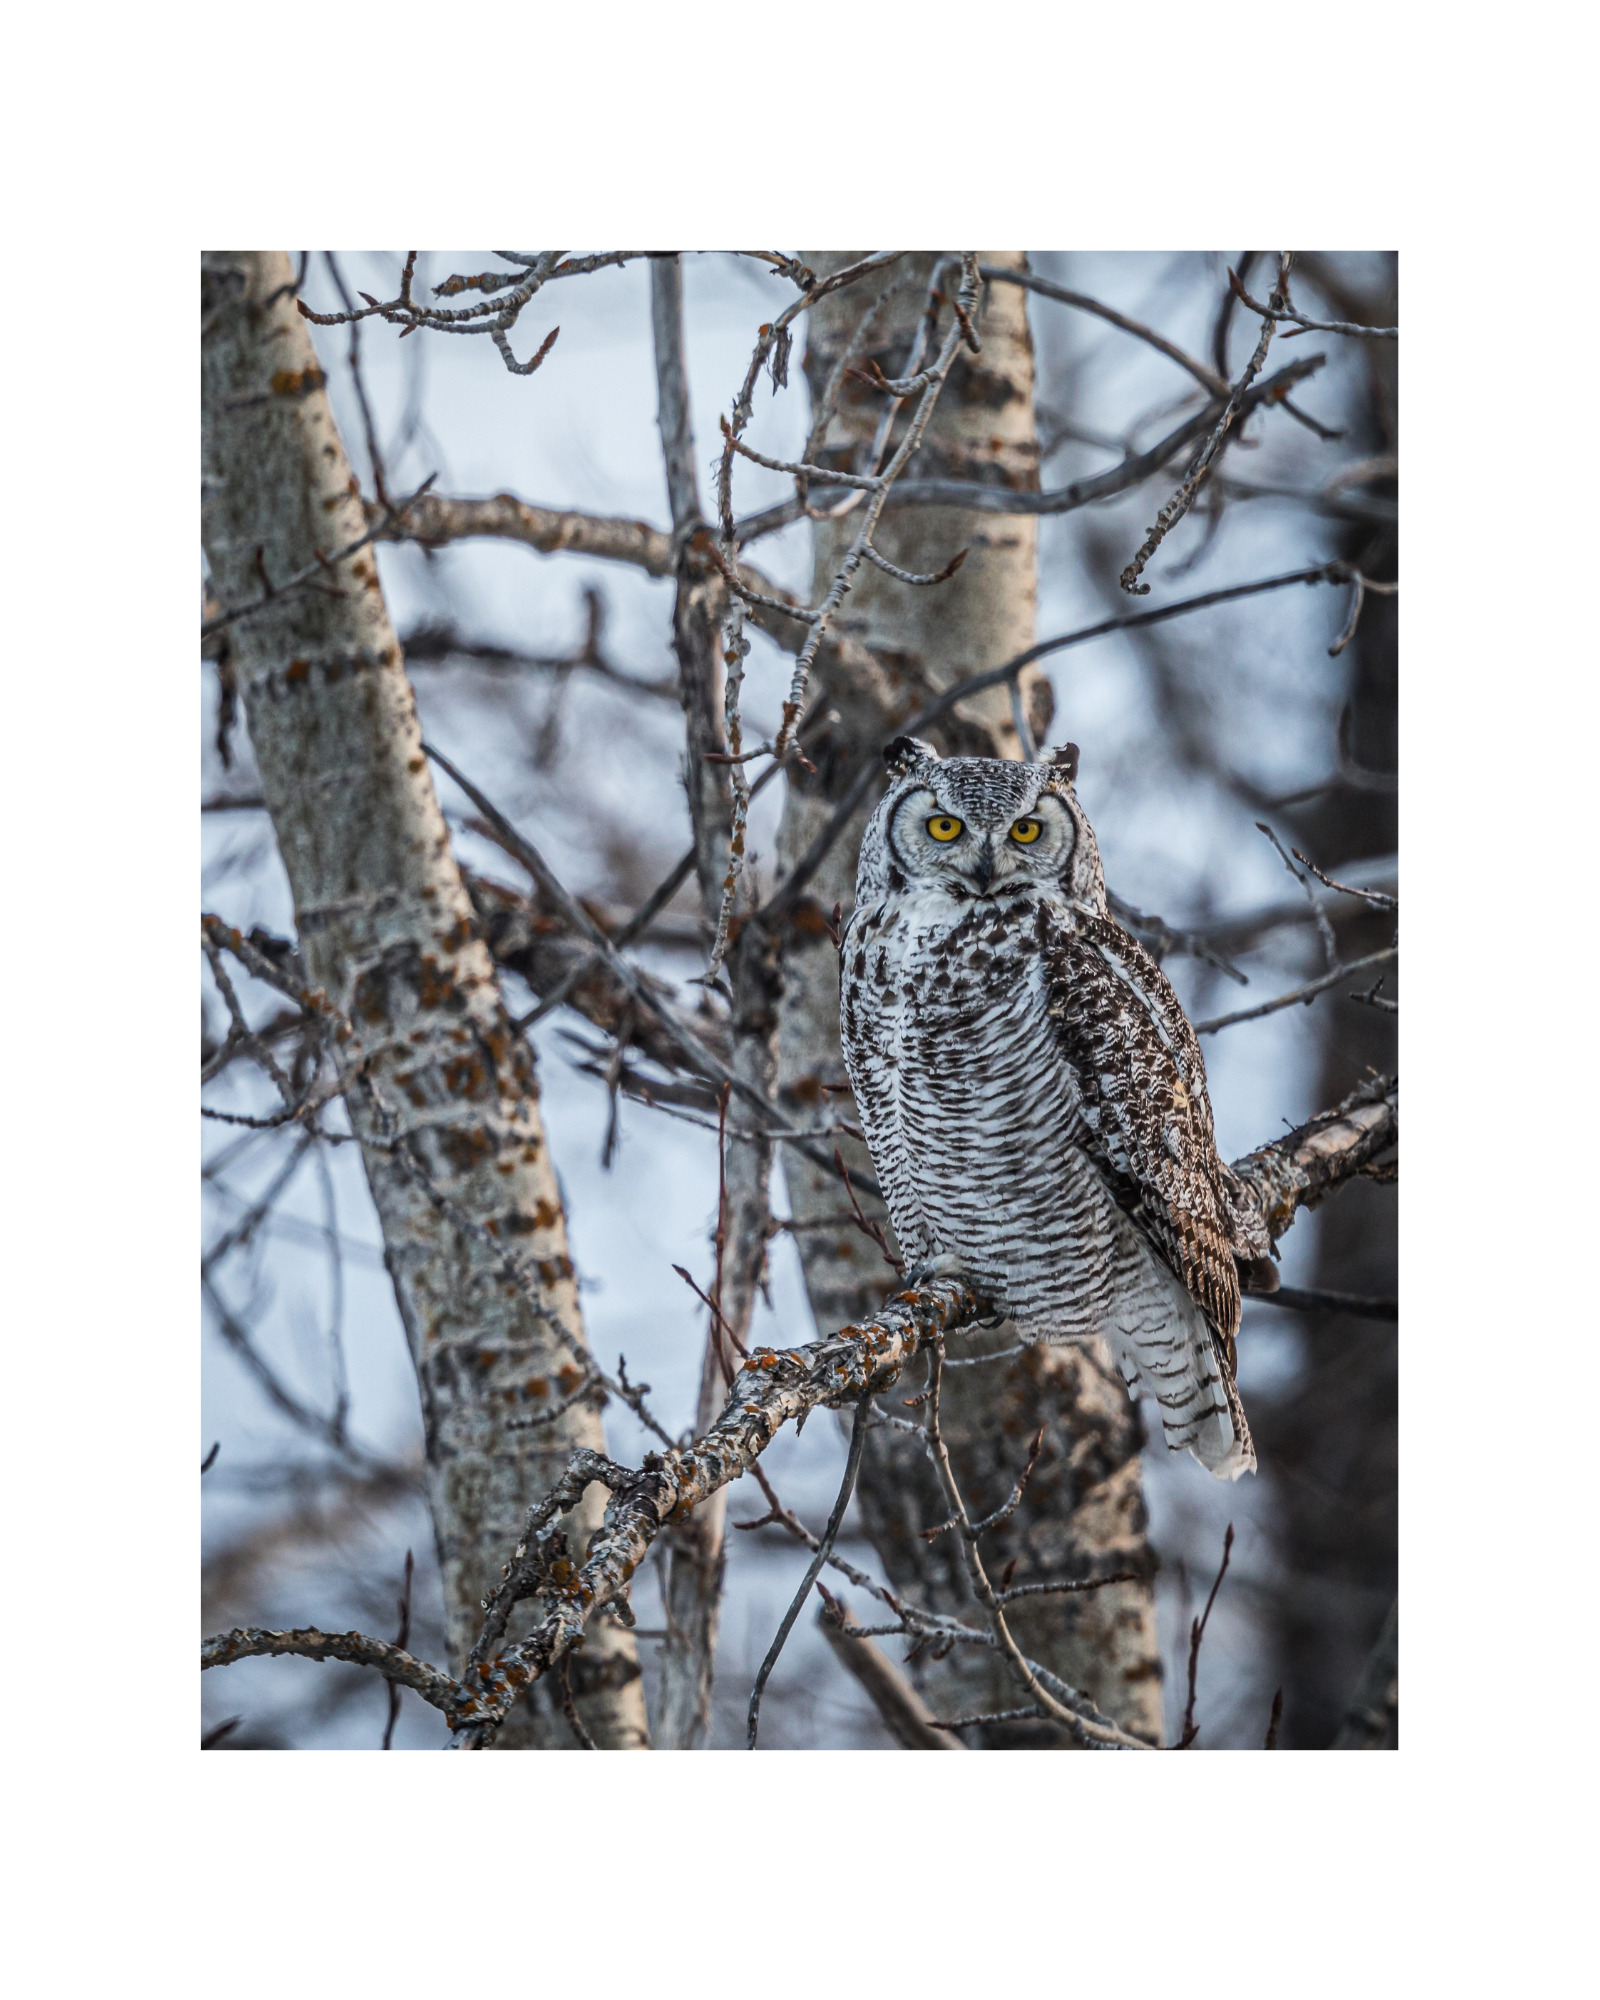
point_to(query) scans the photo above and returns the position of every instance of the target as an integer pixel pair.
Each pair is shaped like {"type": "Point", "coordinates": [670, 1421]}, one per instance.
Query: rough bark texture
{"type": "Point", "coordinates": [386, 926]}
{"type": "Point", "coordinates": [1084, 1511]}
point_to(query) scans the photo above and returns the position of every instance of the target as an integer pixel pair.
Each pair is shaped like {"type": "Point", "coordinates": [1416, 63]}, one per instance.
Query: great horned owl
{"type": "Point", "coordinates": [1034, 1097]}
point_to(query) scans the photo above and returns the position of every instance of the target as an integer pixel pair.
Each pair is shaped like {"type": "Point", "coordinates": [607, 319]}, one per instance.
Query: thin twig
{"type": "Point", "coordinates": [357, 381]}
{"type": "Point", "coordinates": [1355, 1305]}
{"type": "Point", "coordinates": [721, 1323]}
{"type": "Point", "coordinates": [1197, 1632]}
{"type": "Point", "coordinates": [1378, 898]}
{"type": "Point", "coordinates": [1046, 288]}
{"type": "Point", "coordinates": [1302, 995]}
{"type": "Point", "coordinates": [569, 1708]}
{"type": "Point", "coordinates": [1093, 1729]}
{"type": "Point", "coordinates": [1032, 1713]}
{"type": "Point", "coordinates": [904, 1713]}
{"type": "Point", "coordinates": [1304, 325]}
{"type": "Point", "coordinates": [1175, 509]}
{"type": "Point", "coordinates": [404, 1632]}
{"type": "Point", "coordinates": [1330, 945]}
{"type": "Point", "coordinates": [858, 1437]}
{"type": "Point", "coordinates": [1070, 1588]}
{"type": "Point", "coordinates": [908, 576]}
{"type": "Point", "coordinates": [872, 1229]}
{"type": "Point", "coordinates": [1358, 596]}
{"type": "Point", "coordinates": [1376, 997]}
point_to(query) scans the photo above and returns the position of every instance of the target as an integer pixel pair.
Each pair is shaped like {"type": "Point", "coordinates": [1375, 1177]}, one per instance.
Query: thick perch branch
{"type": "Point", "coordinates": [772, 1388]}
{"type": "Point", "coordinates": [1299, 1169]}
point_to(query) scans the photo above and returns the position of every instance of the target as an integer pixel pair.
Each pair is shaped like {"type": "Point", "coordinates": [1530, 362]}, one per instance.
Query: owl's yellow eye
{"type": "Point", "coordinates": [1026, 831]}
{"type": "Point", "coordinates": [943, 827]}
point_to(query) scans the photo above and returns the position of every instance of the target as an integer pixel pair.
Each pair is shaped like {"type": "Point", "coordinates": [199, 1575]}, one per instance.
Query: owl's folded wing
{"type": "Point", "coordinates": [1143, 1085]}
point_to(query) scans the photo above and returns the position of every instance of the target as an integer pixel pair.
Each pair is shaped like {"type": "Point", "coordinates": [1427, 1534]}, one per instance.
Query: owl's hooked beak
{"type": "Point", "coordinates": [985, 867]}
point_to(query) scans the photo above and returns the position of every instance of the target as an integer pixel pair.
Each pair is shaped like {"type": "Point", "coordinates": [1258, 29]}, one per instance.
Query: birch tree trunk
{"type": "Point", "coordinates": [1083, 1512]}
{"type": "Point", "coordinates": [386, 927]}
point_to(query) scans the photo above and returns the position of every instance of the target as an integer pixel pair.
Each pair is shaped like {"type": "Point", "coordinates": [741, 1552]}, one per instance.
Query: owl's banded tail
{"type": "Point", "coordinates": [1234, 1453]}
{"type": "Point", "coordinates": [1183, 1369]}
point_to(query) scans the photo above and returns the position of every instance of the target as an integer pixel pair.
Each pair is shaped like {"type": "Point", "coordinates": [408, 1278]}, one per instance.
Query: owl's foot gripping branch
{"type": "Point", "coordinates": [773, 1388]}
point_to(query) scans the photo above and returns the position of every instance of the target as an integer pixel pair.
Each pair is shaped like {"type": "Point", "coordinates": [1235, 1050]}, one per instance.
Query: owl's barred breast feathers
{"type": "Point", "coordinates": [1032, 1094]}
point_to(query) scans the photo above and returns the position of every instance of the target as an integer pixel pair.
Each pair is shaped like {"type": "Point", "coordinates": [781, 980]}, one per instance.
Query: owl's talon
{"type": "Point", "coordinates": [946, 1265]}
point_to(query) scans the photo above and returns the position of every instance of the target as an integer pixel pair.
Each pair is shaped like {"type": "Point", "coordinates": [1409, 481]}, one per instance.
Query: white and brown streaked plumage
{"type": "Point", "coordinates": [1032, 1093]}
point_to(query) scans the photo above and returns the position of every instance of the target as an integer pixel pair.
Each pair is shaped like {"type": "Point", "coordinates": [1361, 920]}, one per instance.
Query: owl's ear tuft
{"type": "Point", "coordinates": [1065, 761]}
{"type": "Point", "coordinates": [905, 753]}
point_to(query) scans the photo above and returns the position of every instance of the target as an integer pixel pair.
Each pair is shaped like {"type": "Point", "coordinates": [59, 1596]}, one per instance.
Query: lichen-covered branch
{"type": "Point", "coordinates": [771, 1388]}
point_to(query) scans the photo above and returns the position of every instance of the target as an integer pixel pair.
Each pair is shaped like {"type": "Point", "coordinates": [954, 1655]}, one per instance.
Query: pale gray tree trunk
{"type": "Point", "coordinates": [447, 1101]}
{"type": "Point", "coordinates": [1084, 1511]}
{"type": "Point", "coordinates": [694, 1554]}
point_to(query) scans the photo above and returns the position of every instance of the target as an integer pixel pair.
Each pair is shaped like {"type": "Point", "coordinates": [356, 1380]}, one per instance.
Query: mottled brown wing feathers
{"type": "Point", "coordinates": [1143, 1085]}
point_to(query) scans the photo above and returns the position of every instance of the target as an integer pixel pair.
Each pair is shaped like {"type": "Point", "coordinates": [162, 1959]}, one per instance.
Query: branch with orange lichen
{"type": "Point", "coordinates": [772, 1388]}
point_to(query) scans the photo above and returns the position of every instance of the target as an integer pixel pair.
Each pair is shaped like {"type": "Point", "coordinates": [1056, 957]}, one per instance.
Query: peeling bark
{"type": "Point", "coordinates": [447, 1106]}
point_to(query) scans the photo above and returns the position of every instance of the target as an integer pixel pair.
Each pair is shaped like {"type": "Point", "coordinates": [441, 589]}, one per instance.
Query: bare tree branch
{"type": "Point", "coordinates": [1097, 486]}
{"type": "Point", "coordinates": [1206, 457]}
{"type": "Point", "coordinates": [1304, 1166]}
{"type": "Point", "coordinates": [904, 1713]}
{"type": "Point", "coordinates": [770, 1389]}
{"type": "Point", "coordinates": [1001, 274]}
{"type": "Point", "coordinates": [1301, 995]}
{"type": "Point", "coordinates": [1303, 325]}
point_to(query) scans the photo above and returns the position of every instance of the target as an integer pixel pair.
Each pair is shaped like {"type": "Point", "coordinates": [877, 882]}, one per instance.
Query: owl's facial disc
{"type": "Point", "coordinates": [981, 846]}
